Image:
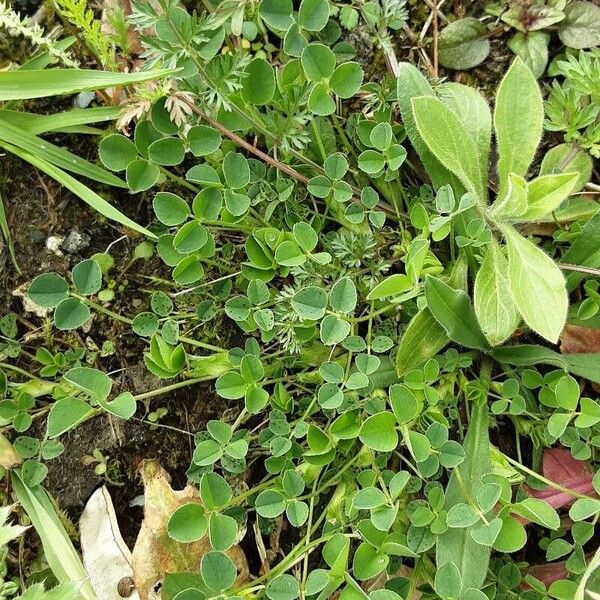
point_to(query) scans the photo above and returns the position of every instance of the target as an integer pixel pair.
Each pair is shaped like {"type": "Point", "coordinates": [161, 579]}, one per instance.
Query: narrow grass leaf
{"type": "Point", "coordinates": [56, 155]}
{"type": "Point", "coordinates": [23, 84]}
{"type": "Point", "coordinates": [79, 189]}
{"type": "Point", "coordinates": [58, 549]}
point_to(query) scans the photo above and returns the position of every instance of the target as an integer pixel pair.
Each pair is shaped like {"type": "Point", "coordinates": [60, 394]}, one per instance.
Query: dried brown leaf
{"type": "Point", "coordinates": [155, 553]}
{"type": "Point", "coordinates": [576, 340]}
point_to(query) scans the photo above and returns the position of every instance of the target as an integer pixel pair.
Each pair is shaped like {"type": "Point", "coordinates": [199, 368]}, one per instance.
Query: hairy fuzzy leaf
{"type": "Point", "coordinates": [449, 141]}
{"type": "Point", "coordinates": [518, 118]}
{"type": "Point", "coordinates": [495, 309]}
{"type": "Point", "coordinates": [537, 286]}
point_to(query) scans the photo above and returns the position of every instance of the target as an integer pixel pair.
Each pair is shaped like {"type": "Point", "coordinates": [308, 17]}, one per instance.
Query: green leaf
{"type": "Point", "coordinates": [94, 383]}
{"type": "Point", "coordinates": [532, 49]}
{"type": "Point", "coordinates": [538, 511]}
{"type": "Point", "coordinates": [584, 508]}
{"type": "Point", "coordinates": [310, 303]}
{"type": "Point", "coordinates": [486, 533]}
{"type": "Point", "coordinates": [513, 205]}
{"type": "Point", "coordinates": [320, 101]}
{"type": "Point", "coordinates": [215, 491]}
{"type": "Point", "coordinates": [58, 550]}
{"type": "Point", "coordinates": [448, 582]}
{"type": "Point", "coordinates": [289, 254]}
{"type": "Point", "coordinates": [448, 140]}
{"type": "Point", "coordinates": [411, 84]}
{"type": "Point", "coordinates": [276, 13]}
{"type": "Point", "coordinates": [518, 119]}
{"type": "Point", "coordinates": [66, 414]}
{"type": "Point", "coordinates": [318, 62]}
{"type": "Point", "coordinates": [270, 504]}
{"type": "Point", "coordinates": [188, 270]}
{"type": "Point", "coordinates": [456, 546]}
{"type": "Point", "coordinates": [463, 44]}
{"type": "Point", "coordinates": [231, 386]}
{"type": "Point", "coordinates": [474, 112]}
{"type": "Point", "coordinates": [70, 314]}
{"type": "Point", "coordinates": [347, 79]}
{"type": "Point", "coordinates": [48, 290]}
{"type": "Point", "coordinates": [55, 155]}
{"type": "Point", "coordinates": [381, 136]}
{"type": "Point", "coordinates": [537, 286]}
{"type": "Point", "coordinates": [297, 513]}
{"type": "Point", "coordinates": [69, 121]}
{"type": "Point", "coordinates": [123, 406]}
{"type": "Point", "coordinates": [379, 433]}
{"type": "Point", "coordinates": [168, 151]}
{"type": "Point", "coordinates": [116, 152]}
{"type": "Point", "coordinates": [222, 531]}
{"type": "Point", "coordinates": [581, 25]}
{"type": "Point", "coordinates": [371, 161]}
{"type": "Point", "coordinates": [87, 277]}
{"type": "Point", "coordinates": [283, 587]}
{"type": "Point", "coordinates": [218, 571]}
{"type": "Point", "coordinates": [237, 204]}
{"type": "Point", "coordinates": [141, 175]}
{"type": "Point", "coordinates": [145, 324]}
{"type": "Point", "coordinates": [461, 515]}
{"type": "Point", "coordinates": [546, 193]}
{"type": "Point", "coordinates": [586, 365]}
{"type": "Point", "coordinates": [512, 536]}
{"type": "Point", "coordinates": [236, 170]}
{"type": "Point", "coordinates": [190, 238]}
{"type": "Point", "coordinates": [453, 311]}
{"type": "Point", "coordinates": [568, 158]}
{"type": "Point", "coordinates": [294, 41]}
{"type": "Point", "coordinates": [170, 209]}
{"type": "Point", "coordinates": [23, 84]}
{"type": "Point", "coordinates": [343, 297]}
{"type": "Point", "coordinates": [258, 85]}
{"type": "Point", "coordinates": [188, 523]}
{"type": "Point", "coordinates": [313, 14]}
{"type": "Point", "coordinates": [334, 330]}
{"type": "Point", "coordinates": [390, 286]}
{"type": "Point", "coordinates": [424, 337]}
{"type": "Point", "coordinates": [496, 311]}
{"type": "Point", "coordinates": [203, 140]}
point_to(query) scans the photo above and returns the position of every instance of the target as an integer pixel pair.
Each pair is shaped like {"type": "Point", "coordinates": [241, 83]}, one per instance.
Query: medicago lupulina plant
{"type": "Point", "coordinates": [317, 236]}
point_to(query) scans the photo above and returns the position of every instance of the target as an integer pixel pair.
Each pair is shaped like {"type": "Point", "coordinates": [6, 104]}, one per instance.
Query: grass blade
{"type": "Point", "coordinates": [23, 84]}
{"type": "Point", "coordinates": [90, 197]}
{"type": "Point", "coordinates": [56, 155]}
{"type": "Point", "coordinates": [41, 61]}
{"type": "Point", "coordinates": [6, 233]}
{"type": "Point", "coordinates": [70, 121]}
{"type": "Point", "coordinates": [60, 553]}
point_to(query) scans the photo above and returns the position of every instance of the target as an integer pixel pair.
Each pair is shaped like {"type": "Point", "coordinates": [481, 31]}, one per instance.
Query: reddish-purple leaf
{"type": "Point", "coordinates": [559, 466]}
{"type": "Point", "coordinates": [547, 573]}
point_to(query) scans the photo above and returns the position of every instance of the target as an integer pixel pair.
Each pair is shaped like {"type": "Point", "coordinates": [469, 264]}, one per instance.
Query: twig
{"type": "Point", "coordinates": [579, 269]}
{"type": "Point", "coordinates": [435, 38]}
{"type": "Point", "coordinates": [242, 143]}
{"type": "Point", "coordinates": [284, 168]}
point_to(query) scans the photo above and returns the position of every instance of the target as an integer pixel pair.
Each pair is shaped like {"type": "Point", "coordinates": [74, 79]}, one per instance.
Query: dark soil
{"type": "Point", "coordinates": [38, 208]}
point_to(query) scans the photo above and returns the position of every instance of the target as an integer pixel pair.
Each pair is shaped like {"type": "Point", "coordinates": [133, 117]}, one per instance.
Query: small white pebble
{"type": "Point", "coordinates": [53, 243]}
